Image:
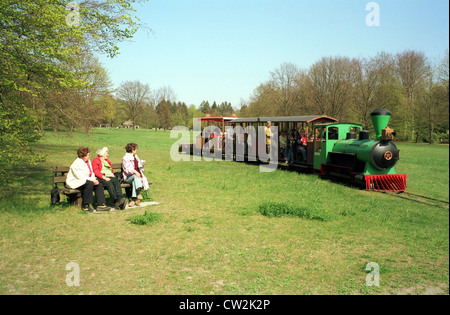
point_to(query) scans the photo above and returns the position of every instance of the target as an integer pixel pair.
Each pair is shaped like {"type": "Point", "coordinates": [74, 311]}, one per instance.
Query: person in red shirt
{"type": "Point", "coordinates": [104, 172]}
{"type": "Point", "coordinates": [302, 144]}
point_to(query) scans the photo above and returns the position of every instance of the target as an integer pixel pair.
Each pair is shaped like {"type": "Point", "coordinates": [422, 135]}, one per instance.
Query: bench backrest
{"type": "Point", "coordinates": [60, 172]}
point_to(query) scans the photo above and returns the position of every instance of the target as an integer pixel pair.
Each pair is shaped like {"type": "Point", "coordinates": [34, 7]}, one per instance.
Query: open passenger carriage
{"type": "Point", "coordinates": [289, 124]}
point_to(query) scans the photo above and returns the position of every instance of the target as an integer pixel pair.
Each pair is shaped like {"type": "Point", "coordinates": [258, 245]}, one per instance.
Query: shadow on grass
{"type": "Point", "coordinates": [23, 206]}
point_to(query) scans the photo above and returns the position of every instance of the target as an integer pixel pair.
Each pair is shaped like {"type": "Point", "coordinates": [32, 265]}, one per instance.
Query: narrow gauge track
{"type": "Point", "coordinates": [420, 199]}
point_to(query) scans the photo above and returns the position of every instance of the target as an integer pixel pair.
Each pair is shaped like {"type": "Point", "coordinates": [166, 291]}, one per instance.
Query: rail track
{"type": "Point", "coordinates": [421, 199]}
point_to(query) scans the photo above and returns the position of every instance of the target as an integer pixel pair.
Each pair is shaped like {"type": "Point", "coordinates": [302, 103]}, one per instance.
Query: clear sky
{"type": "Point", "coordinates": [221, 50]}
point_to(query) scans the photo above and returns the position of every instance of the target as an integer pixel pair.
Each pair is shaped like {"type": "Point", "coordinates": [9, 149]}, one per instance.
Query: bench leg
{"type": "Point", "coordinates": [75, 199]}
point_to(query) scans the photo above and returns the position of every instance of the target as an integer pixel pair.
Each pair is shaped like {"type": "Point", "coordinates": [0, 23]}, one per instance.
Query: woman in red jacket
{"type": "Point", "coordinates": [104, 172]}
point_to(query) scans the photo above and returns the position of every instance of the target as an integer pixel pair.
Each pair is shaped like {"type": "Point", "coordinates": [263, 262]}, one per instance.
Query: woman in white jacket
{"type": "Point", "coordinates": [82, 177]}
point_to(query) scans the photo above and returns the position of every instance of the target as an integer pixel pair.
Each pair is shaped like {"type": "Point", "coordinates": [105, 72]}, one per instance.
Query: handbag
{"type": "Point", "coordinates": [119, 177]}
{"type": "Point", "coordinates": [54, 196]}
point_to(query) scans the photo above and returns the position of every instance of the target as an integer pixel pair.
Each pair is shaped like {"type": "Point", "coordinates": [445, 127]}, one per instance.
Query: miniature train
{"type": "Point", "coordinates": [333, 149]}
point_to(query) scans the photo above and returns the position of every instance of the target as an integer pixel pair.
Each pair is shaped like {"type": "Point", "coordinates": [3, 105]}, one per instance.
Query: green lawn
{"type": "Point", "coordinates": [210, 237]}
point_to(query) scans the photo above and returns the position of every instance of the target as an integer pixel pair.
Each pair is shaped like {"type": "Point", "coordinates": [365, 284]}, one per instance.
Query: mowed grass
{"type": "Point", "coordinates": [210, 236]}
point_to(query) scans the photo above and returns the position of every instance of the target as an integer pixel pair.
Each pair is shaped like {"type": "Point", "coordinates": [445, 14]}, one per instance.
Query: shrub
{"type": "Point", "coordinates": [147, 218]}
{"type": "Point", "coordinates": [273, 209]}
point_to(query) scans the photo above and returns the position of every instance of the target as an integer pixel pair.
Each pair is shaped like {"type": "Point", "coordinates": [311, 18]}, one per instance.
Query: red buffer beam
{"type": "Point", "coordinates": [395, 182]}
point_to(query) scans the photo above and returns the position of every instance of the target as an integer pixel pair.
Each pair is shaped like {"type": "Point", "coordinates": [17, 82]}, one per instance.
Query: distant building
{"type": "Point", "coordinates": [129, 124]}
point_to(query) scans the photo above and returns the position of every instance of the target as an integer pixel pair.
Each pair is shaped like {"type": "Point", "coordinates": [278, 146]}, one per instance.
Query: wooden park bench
{"type": "Point", "coordinates": [74, 195]}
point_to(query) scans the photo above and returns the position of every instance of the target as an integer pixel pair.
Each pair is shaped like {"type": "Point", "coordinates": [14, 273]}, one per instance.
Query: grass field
{"type": "Point", "coordinates": [208, 234]}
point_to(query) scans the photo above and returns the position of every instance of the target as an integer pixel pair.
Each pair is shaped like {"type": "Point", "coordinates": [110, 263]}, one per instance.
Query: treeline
{"type": "Point", "coordinates": [414, 88]}
{"type": "Point", "coordinates": [149, 108]}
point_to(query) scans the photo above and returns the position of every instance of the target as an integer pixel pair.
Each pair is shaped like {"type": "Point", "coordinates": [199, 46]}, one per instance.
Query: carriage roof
{"type": "Point", "coordinates": [305, 119]}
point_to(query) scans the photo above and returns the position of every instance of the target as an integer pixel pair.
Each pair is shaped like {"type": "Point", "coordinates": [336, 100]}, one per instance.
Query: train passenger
{"type": "Point", "coordinates": [296, 137]}
{"type": "Point", "coordinates": [245, 144]}
{"type": "Point", "coordinates": [104, 172]}
{"type": "Point", "coordinates": [231, 136]}
{"type": "Point", "coordinates": [283, 144]}
{"type": "Point", "coordinates": [268, 134]}
{"type": "Point", "coordinates": [132, 173]}
{"type": "Point", "coordinates": [292, 147]}
{"type": "Point", "coordinates": [302, 144]}
{"type": "Point", "coordinates": [82, 177]}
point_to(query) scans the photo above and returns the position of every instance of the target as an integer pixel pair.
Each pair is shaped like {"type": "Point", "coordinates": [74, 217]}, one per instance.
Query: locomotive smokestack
{"type": "Point", "coordinates": [380, 119]}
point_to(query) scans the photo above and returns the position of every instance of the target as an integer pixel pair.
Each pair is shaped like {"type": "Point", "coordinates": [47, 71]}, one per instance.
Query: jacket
{"type": "Point", "coordinates": [97, 167]}
{"type": "Point", "coordinates": [79, 174]}
{"type": "Point", "coordinates": [128, 165]}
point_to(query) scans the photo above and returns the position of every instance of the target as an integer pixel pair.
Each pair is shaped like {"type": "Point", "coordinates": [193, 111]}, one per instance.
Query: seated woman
{"type": "Point", "coordinates": [102, 168]}
{"type": "Point", "coordinates": [132, 173]}
{"type": "Point", "coordinates": [81, 177]}
{"type": "Point", "coordinates": [302, 144]}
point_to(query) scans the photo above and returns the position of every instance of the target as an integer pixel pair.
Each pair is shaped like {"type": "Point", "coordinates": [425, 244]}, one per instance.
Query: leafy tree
{"type": "Point", "coordinates": [165, 118]}
{"type": "Point", "coordinates": [193, 113]}
{"type": "Point", "coordinates": [17, 130]}
{"type": "Point", "coordinates": [225, 109]}
{"type": "Point", "coordinates": [205, 108]}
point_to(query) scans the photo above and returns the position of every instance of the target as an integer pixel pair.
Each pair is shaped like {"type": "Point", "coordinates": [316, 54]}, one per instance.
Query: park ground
{"type": "Point", "coordinates": [210, 236]}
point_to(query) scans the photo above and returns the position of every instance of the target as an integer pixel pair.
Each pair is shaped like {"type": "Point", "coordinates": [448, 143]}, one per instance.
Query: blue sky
{"type": "Point", "coordinates": [221, 50]}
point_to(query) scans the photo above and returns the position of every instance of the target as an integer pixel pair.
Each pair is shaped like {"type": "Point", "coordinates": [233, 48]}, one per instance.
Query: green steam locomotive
{"type": "Point", "coordinates": [345, 150]}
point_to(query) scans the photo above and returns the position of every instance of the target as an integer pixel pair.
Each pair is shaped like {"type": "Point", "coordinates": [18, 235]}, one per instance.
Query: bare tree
{"type": "Point", "coordinates": [135, 95]}
{"type": "Point", "coordinates": [443, 70]}
{"type": "Point", "coordinates": [330, 82]}
{"type": "Point", "coordinates": [365, 83]}
{"type": "Point", "coordinates": [412, 69]}
{"type": "Point", "coordinates": [165, 93]}
{"type": "Point", "coordinates": [285, 84]}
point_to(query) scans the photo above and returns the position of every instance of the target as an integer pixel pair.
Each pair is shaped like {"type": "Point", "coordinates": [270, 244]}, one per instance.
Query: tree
{"type": "Point", "coordinates": [205, 108]}
{"type": "Point", "coordinates": [164, 114]}
{"type": "Point", "coordinates": [193, 113]}
{"type": "Point", "coordinates": [149, 117]}
{"type": "Point", "coordinates": [412, 69]}
{"type": "Point", "coordinates": [18, 130]}
{"type": "Point", "coordinates": [165, 93]}
{"type": "Point", "coordinates": [225, 109]}
{"type": "Point", "coordinates": [285, 85]}
{"type": "Point", "coordinates": [330, 83]}
{"type": "Point", "coordinates": [214, 109]}
{"type": "Point", "coordinates": [365, 85]}
{"type": "Point", "coordinates": [432, 109]}
{"type": "Point", "coordinates": [262, 101]}
{"type": "Point", "coordinates": [135, 95]}
{"type": "Point", "coordinates": [84, 106]}
{"type": "Point", "coordinates": [37, 39]}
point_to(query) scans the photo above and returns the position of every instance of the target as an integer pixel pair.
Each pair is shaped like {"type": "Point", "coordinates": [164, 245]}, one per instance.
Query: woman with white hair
{"type": "Point", "coordinates": [102, 168]}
